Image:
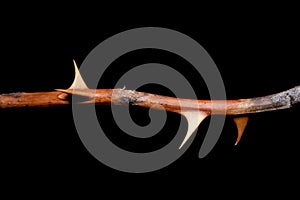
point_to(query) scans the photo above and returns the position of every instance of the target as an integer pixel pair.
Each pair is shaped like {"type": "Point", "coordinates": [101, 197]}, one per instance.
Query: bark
{"type": "Point", "coordinates": [277, 101]}
{"type": "Point", "coordinates": [35, 99]}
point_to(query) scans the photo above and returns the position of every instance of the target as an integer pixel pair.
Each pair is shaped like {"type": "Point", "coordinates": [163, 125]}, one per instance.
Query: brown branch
{"type": "Point", "coordinates": [35, 99]}
{"type": "Point", "coordinates": [277, 101]}
{"type": "Point", "coordinates": [194, 110]}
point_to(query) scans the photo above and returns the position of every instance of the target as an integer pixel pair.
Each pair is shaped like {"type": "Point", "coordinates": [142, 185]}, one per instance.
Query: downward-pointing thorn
{"type": "Point", "coordinates": [240, 123]}
{"type": "Point", "coordinates": [194, 118]}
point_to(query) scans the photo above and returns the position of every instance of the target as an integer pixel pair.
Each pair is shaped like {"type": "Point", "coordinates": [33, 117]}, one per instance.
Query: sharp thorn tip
{"type": "Point", "coordinates": [240, 123]}
{"type": "Point", "coordinates": [194, 118]}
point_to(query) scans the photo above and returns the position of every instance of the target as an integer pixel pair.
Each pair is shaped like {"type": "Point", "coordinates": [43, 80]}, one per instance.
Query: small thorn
{"type": "Point", "coordinates": [63, 96]}
{"type": "Point", "coordinates": [194, 118]}
{"type": "Point", "coordinates": [240, 123]}
{"type": "Point", "coordinates": [67, 91]}
{"type": "Point", "coordinates": [84, 93]}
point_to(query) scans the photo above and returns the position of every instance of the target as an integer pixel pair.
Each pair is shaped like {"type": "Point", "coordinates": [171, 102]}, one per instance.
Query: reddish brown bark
{"type": "Point", "coordinates": [36, 99]}
{"type": "Point", "coordinates": [277, 101]}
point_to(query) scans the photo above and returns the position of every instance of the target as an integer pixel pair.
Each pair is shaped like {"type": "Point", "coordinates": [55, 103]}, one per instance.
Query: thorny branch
{"type": "Point", "coordinates": [195, 111]}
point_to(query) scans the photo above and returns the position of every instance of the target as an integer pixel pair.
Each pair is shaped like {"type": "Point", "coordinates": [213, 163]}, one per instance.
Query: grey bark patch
{"type": "Point", "coordinates": [295, 95]}
{"type": "Point", "coordinates": [289, 97]}
{"type": "Point", "coordinates": [282, 98]}
{"type": "Point", "coordinates": [123, 97]}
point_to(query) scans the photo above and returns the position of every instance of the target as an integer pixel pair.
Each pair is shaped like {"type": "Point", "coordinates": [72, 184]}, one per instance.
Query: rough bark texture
{"type": "Point", "coordinates": [36, 99]}
{"type": "Point", "coordinates": [277, 101]}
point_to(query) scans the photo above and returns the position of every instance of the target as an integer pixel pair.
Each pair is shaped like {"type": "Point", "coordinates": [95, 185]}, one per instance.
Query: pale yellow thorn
{"type": "Point", "coordinates": [78, 83]}
{"type": "Point", "coordinates": [194, 118]}
{"type": "Point", "coordinates": [78, 86]}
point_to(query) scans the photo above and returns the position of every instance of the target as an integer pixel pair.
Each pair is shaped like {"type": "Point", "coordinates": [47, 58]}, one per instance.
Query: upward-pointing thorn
{"type": "Point", "coordinates": [78, 86]}
{"type": "Point", "coordinates": [78, 83]}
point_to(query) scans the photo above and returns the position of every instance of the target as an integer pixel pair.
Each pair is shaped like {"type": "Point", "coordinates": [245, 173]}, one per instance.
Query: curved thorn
{"type": "Point", "coordinates": [240, 123]}
{"type": "Point", "coordinates": [194, 118]}
{"type": "Point", "coordinates": [78, 82]}
{"type": "Point", "coordinates": [78, 86]}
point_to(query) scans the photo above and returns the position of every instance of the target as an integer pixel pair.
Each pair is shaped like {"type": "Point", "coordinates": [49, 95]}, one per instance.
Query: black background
{"type": "Point", "coordinates": [255, 55]}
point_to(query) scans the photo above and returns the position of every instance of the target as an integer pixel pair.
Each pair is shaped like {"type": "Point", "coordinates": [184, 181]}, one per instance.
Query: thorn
{"type": "Point", "coordinates": [84, 93]}
{"type": "Point", "coordinates": [240, 123]}
{"type": "Point", "coordinates": [194, 118]}
{"type": "Point", "coordinates": [78, 83]}
{"type": "Point", "coordinates": [78, 86]}
{"type": "Point", "coordinates": [67, 91]}
{"type": "Point", "coordinates": [63, 96]}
